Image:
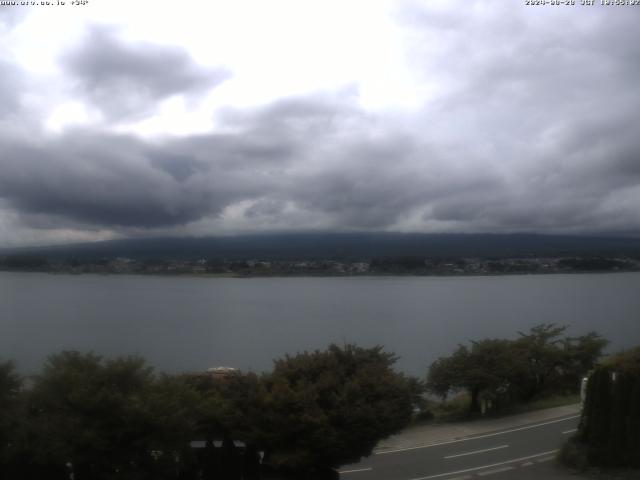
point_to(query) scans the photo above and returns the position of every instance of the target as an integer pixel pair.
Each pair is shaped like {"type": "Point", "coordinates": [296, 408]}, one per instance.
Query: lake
{"type": "Point", "coordinates": [193, 323]}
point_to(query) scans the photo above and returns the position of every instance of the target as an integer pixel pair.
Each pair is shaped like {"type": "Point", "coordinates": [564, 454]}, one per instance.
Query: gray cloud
{"type": "Point", "coordinates": [10, 80]}
{"type": "Point", "coordinates": [119, 181]}
{"type": "Point", "coordinates": [127, 80]}
{"type": "Point", "coordinates": [11, 15]}
{"type": "Point", "coordinates": [548, 103]}
{"type": "Point", "coordinates": [281, 153]}
{"type": "Point", "coordinates": [297, 152]}
{"type": "Point", "coordinates": [98, 180]}
{"type": "Point", "coordinates": [180, 167]}
{"type": "Point", "coordinates": [533, 128]}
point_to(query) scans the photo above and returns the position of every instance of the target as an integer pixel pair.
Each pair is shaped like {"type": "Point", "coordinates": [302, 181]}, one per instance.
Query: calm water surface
{"type": "Point", "coordinates": [185, 323]}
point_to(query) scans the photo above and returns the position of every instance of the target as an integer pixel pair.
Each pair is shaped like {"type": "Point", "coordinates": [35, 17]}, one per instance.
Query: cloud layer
{"type": "Point", "coordinates": [124, 80]}
{"type": "Point", "coordinates": [525, 121]}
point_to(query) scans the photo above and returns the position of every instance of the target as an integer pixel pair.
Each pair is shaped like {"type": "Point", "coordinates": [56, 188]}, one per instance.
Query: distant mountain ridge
{"type": "Point", "coordinates": [340, 246]}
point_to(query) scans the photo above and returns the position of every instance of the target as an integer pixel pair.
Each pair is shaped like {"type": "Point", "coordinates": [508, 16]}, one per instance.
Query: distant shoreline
{"type": "Point", "coordinates": [256, 267]}
{"type": "Point", "coordinates": [317, 275]}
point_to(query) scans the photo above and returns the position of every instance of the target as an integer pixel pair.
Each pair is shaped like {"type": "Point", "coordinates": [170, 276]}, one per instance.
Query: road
{"type": "Point", "coordinates": [484, 455]}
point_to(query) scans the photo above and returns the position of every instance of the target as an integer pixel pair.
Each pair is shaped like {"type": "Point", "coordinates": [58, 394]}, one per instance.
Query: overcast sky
{"type": "Point", "coordinates": [121, 118]}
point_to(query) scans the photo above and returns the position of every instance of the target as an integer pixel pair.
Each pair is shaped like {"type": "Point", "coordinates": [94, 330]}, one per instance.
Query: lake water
{"type": "Point", "coordinates": [191, 323]}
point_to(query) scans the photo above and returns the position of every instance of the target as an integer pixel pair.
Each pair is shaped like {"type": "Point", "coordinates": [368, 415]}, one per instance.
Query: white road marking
{"type": "Point", "coordinates": [477, 451]}
{"type": "Point", "coordinates": [570, 431]}
{"type": "Point", "coordinates": [486, 435]}
{"type": "Point", "coordinates": [495, 470]}
{"type": "Point", "coordinates": [526, 464]}
{"type": "Point", "coordinates": [465, 477]}
{"type": "Point", "coordinates": [545, 459]}
{"type": "Point", "coordinates": [356, 470]}
{"type": "Point", "coordinates": [467, 470]}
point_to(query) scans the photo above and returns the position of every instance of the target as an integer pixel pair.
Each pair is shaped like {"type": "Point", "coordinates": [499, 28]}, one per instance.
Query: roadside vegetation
{"type": "Point", "coordinates": [97, 418]}
{"type": "Point", "coordinates": [456, 408]}
{"type": "Point", "coordinates": [541, 367]}
{"type": "Point", "coordinates": [609, 433]}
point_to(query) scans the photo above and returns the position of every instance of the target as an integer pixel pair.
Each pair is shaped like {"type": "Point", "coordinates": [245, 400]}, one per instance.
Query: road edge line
{"type": "Point", "coordinates": [506, 462]}
{"type": "Point", "coordinates": [477, 451]}
{"type": "Point", "coordinates": [467, 439]}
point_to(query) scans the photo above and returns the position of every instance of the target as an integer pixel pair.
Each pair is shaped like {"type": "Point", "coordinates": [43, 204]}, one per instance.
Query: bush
{"type": "Point", "coordinates": [455, 408]}
{"type": "Point", "coordinates": [573, 454]}
{"type": "Point", "coordinates": [501, 373]}
{"type": "Point", "coordinates": [328, 408]}
{"type": "Point", "coordinates": [424, 416]}
{"type": "Point", "coordinates": [101, 418]}
{"type": "Point", "coordinates": [610, 426]}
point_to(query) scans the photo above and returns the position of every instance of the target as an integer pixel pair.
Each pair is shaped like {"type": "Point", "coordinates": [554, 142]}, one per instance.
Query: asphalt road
{"type": "Point", "coordinates": [485, 455]}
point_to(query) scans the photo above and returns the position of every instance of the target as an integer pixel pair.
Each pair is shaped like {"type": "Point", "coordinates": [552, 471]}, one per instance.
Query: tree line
{"type": "Point", "coordinates": [609, 431]}
{"type": "Point", "coordinates": [89, 417]}
{"type": "Point", "coordinates": [498, 373]}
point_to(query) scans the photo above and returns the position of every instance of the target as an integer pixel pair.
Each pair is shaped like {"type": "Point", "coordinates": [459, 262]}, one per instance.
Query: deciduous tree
{"type": "Point", "coordinates": [331, 407]}
{"type": "Point", "coordinates": [541, 361]}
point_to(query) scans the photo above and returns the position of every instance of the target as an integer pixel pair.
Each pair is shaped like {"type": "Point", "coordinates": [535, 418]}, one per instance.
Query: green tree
{"type": "Point", "coordinates": [540, 348]}
{"type": "Point", "coordinates": [554, 363]}
{"type": "Point", "coordinates": [174, 406]}
{"type": "Point", "coordinates": [229, 405]}
{"type": "Point", "coordinates": [94, 414]}
{"type": "Point", "coordinates": [485, 371]}
{"type": "Point", "coordinates": [230, 408]}
{"type": "Point", "coordinates": [581, 356]}
{"type": "Point", "coordinates": [500, 371]}
{"type": "Point", "coordinates": [10, 385]}
{"type": "Point", "coordinates": [446, 374]}
{"type": "Point", "coordinates": [609, 431]}
{"type": "Point", "coordinates": [331, 407]}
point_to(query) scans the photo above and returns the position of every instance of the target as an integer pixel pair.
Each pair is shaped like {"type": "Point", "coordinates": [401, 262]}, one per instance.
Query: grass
{"type": "Point", "coordinates": [573, 455]}
{"type": "Point", "coordinates": [546, 402]}
{"type": "Point", "coordinates": [456, 408]}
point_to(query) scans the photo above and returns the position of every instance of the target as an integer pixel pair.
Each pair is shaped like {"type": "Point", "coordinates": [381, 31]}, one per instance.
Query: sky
{"type": "Point", "coordinates": [125, 119]}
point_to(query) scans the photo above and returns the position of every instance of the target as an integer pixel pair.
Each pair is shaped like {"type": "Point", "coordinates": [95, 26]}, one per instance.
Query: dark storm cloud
{"type": "Point", "coordinates": [548, 99]}
{"type": "Point", "coordinates": [283, 153]}
{"type": "Point", "coordinates": [100, 180]}
{"type": "Point", "coordinates": [327, 157]}
{"type": "Point", "coordinates": [179, 167]}
{"type": "Point", "coordinates": [338, 161]}
{"type": "Point", "coordinates": [120, 181]}
{"type": "Point", "coordinates": [127, 80]}
{"type": "Point", "coordinates": [350, 166]}
{"type": "Point", "coordinates": [532, 127]}
{"type": "Point", "coordinates": [11, 15]}
{"type": "Point", "coordinates": [109, 180]}
{"type": "Point", "coordinates": [368, 184]}
{"type": "Point", "coordinates": [10, 81]}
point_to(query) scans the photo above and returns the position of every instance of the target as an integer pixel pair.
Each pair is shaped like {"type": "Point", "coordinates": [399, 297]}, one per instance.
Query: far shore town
{"type": "Point", "coordinates": [326, 267]}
